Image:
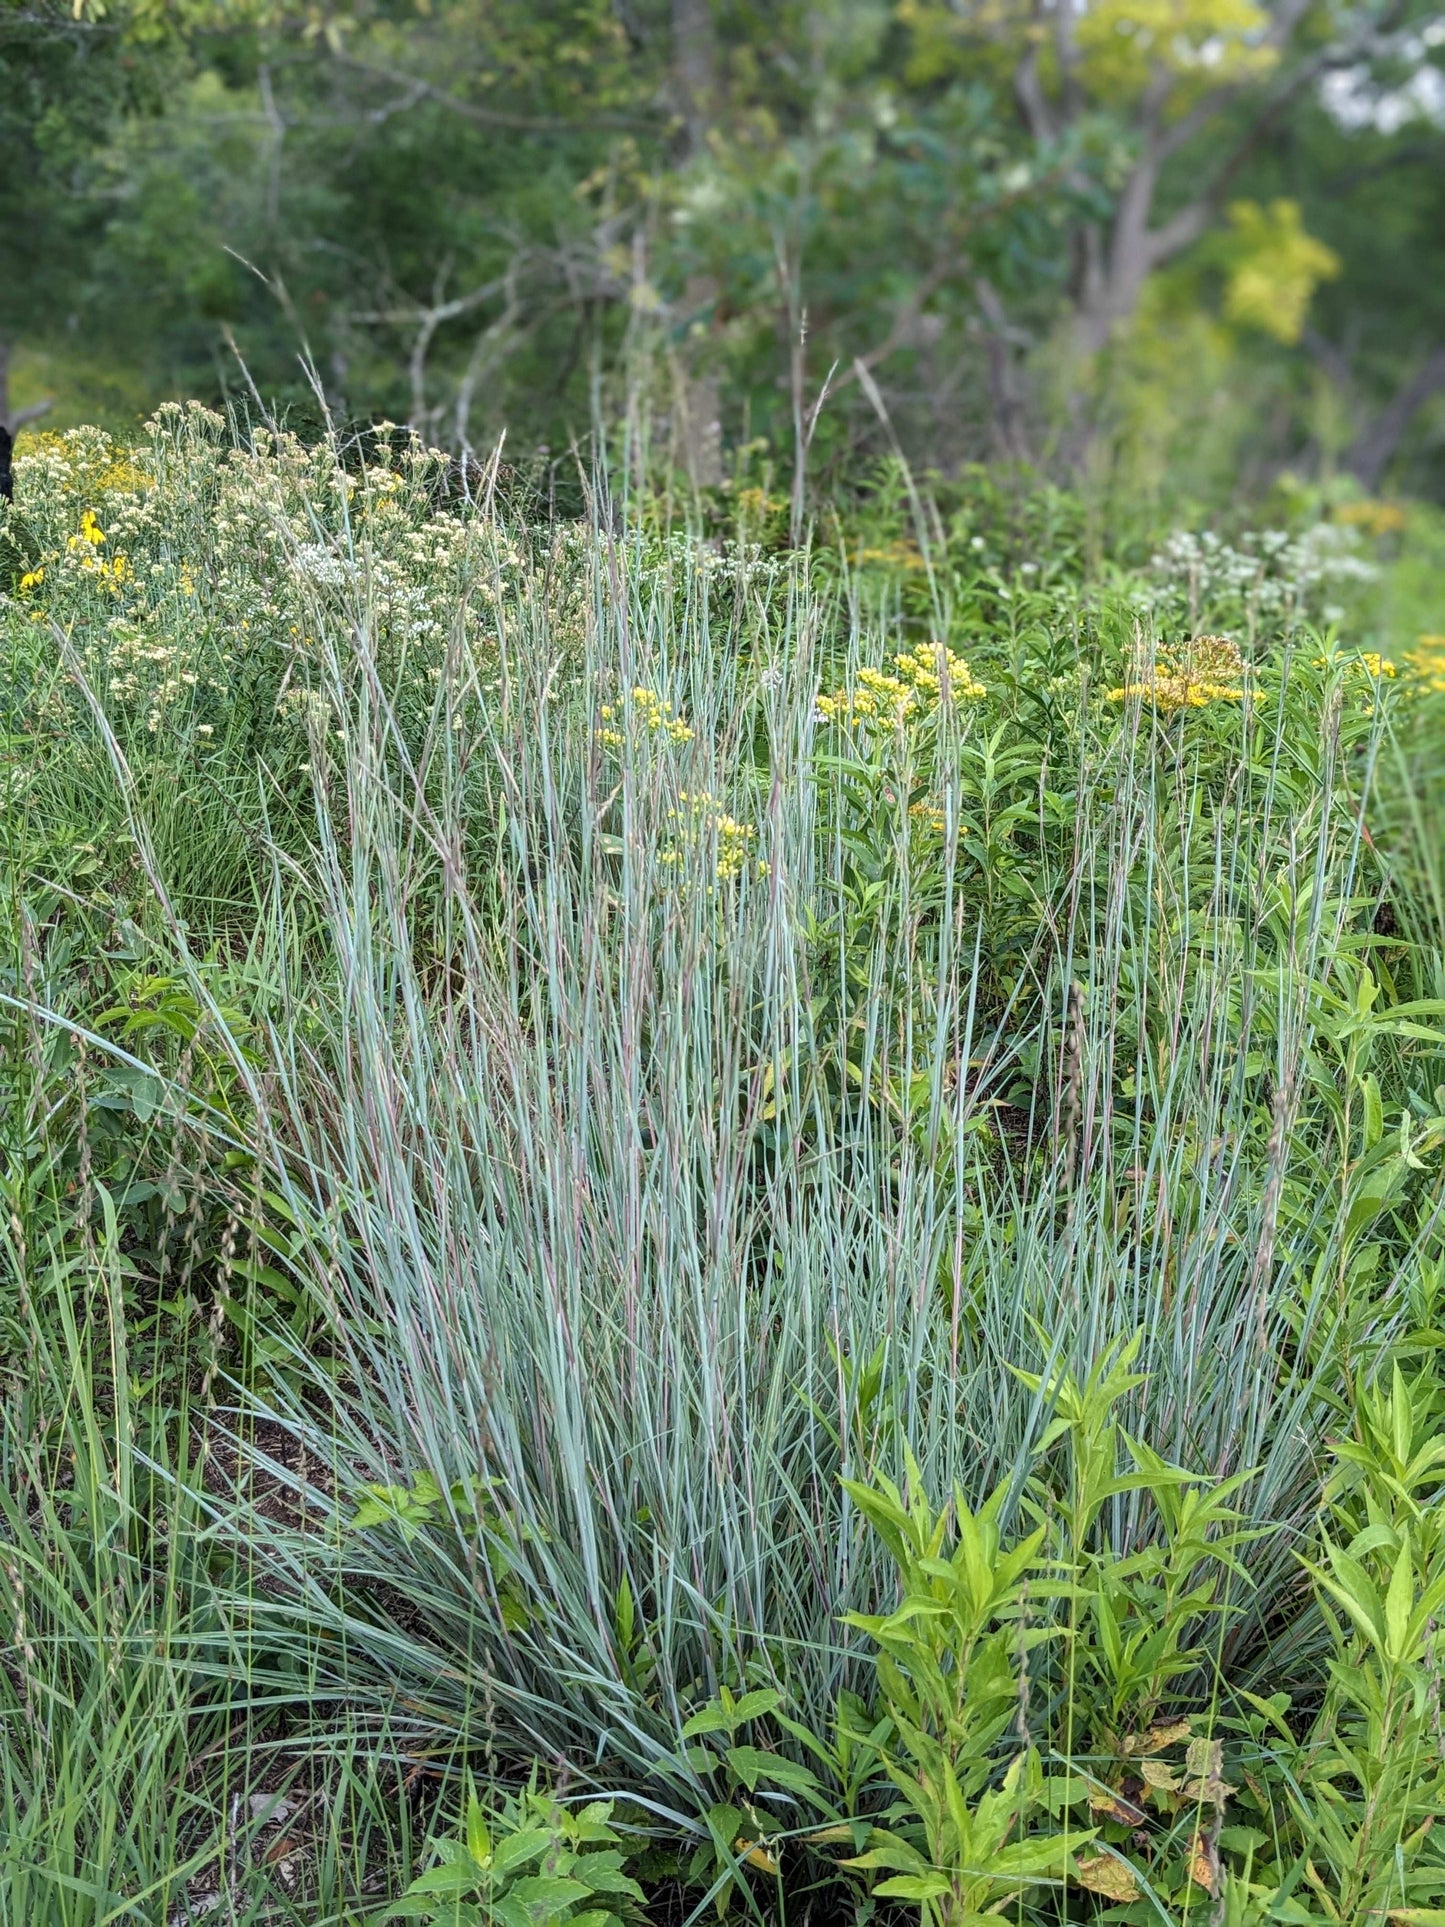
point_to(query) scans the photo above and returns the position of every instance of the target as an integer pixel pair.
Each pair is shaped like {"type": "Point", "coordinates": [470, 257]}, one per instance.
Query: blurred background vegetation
{"type": "Point", "coordinates": [1169, 249]}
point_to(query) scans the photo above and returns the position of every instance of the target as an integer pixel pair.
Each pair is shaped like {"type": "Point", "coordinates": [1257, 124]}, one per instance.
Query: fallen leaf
{"type": "Point", "coordinates": [1210, 1792]}
{"type": "Point", "coordinates": [1205, 1762]}
{"type": "Point", "coordinates": [1103, 1874]}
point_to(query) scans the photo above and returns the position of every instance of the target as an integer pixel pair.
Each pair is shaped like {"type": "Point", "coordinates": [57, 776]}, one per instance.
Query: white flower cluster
{"type": "Point", "coordinates": [1269, 575]}
{"type": "Point", "coordinates": [318, 564]}
{"type": "Point", "coordinates": [193, 573]}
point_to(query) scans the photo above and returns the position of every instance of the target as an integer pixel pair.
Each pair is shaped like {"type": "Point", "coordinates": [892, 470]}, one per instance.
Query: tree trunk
{"type": "Point", "coordinates": [1375, 447]}
{"type": "Point", "coordinates": [694, 68]}
{"type": "Point", "coordinates": [1115, 273]}
{"type": "Point", "coordinates": [697, 390]}
{"type": "Point", "coordinates": [13, 420]}
{"type": "Point", "coordinates": [1007, 416]}
{"type": "Point", "coordinates": [698, 395]}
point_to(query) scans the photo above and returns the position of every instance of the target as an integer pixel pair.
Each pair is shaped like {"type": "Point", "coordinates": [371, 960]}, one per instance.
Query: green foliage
{"type": "Point", "coordinates": [534, 1863]}
{"type": "Point", "coordinates": [1341, 1815]}
{"type": "Point", "coordinates": [953, 1652]}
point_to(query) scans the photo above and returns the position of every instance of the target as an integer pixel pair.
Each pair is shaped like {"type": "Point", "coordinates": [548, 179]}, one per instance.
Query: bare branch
{"type": "Point", "coordinates": [32, 412]}
{"type": "Point", "coordinates": [486, 351]}
{"type": "Point", "coordinates": [1331, 357]}
{"type": "Point", "coordinates": [418, 90]}
{"type": "Point", "coordinates": [1029, 92]}
{"type": "Point", "coordinates": [1067, 54]}
{"type": "Point", "coordinates": [1180, 231]}
{"type": "Point", "coordinates": [1190, 222]}
{"type": "Point", "coordinates": [904, 322]}
{"type": "Point", "coordinates": [436, 313]}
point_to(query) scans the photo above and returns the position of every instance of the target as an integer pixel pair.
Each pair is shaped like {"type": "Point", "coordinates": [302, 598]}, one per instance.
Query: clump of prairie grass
{"type": "Point", "coordinates": [676, 1100]}
{"type": "Point", "coordinates": [616, 1164]}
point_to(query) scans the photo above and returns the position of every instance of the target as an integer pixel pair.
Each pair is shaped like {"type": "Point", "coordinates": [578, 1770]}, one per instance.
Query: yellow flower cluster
{"type": "Point", "coordinates": [933, 819]}
{"type": "Point", "coordinates": [701, 814]}
{"type": "Point", "coordinates": [1204, 670]}
{"type": "Point", "coordinates": [922, 678]}
{"type": "Point", "coordinates": [1428, 662]}
{"type": "Point", "coordinates": [929, 817]}
{"type": "Point", "coordinates": [1374, 518]}
{"type": "Point", "coordinates": [893, 555]}
{"type": "Point", "coordinates": [116, 570]}
{"type": "Point", "coordinates": [123, 477]}
{"type": "Point", "coordinates": [650, 712]}
{"type": "Point", "coordinates": [86, 546]}
{"type": "Point", "coordinates": [757, 501]}
{"type": "Point", "coordinates": [1364, 663]}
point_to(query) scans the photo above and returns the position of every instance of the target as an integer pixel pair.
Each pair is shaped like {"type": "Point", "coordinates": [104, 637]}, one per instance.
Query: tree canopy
{"type": "Point", "coordinates": [1020, 228]}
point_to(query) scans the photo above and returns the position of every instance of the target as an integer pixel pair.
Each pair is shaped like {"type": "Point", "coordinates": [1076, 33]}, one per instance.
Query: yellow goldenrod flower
{"type": "Point", "coordinates": [1363, 663]}
{"type": "Point", "coordinates": [895, 555]}
{"type": "Point", "coordinates": [652, 713]}
{"type": "Point", "coordinates": [1375, 518]}
{"type": "Point", "coordinates": [1204, 670]}
{"type": "Point", "coordinates": [932, 818]}
{"type": "Point", "coordinates": [923, 678]}
{"type": "Point", "coordinates": [700, 816]}
{"type": "Point", "coordinates": [1427, 663]}
{"type": "Point", "coordinates": [124, 476]}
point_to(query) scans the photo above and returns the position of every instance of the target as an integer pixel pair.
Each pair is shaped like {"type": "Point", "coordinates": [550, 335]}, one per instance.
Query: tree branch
{"type": "Point", "coordinates": [437, 313]}
{"type": "Point", "coordinates": [1029, 92]}
{"type": "Point", "coordinates": [418, 90]}
{"type": "Point", "coordinates": [1190, 222]}
{"type": "Point", "coordinates": [1331, 357]}
{"type": "Point", "coordinates": [1006, 404]}
{"type": "Point", "coordinates": [31, 413]}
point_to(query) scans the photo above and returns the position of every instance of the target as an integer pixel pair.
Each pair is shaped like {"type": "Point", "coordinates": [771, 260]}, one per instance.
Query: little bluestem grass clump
{"type": "Point", "coordinates": [678, 1068]}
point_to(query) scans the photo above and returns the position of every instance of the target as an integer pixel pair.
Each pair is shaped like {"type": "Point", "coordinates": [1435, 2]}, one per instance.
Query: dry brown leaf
{"type": "Point", "coordinates": [1204, 1865]}
{"type": "Point", "coordinates": [1102, 1874]}
{"type": "Point", "coordinates": [1116, 1806]}
{"type": "Point", "coordinates": [1211, 1792]}
{"type": "Point", "coordinates": [1158, 1737]}
{"type": "Point", "coordinates": [1205, 1762]}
